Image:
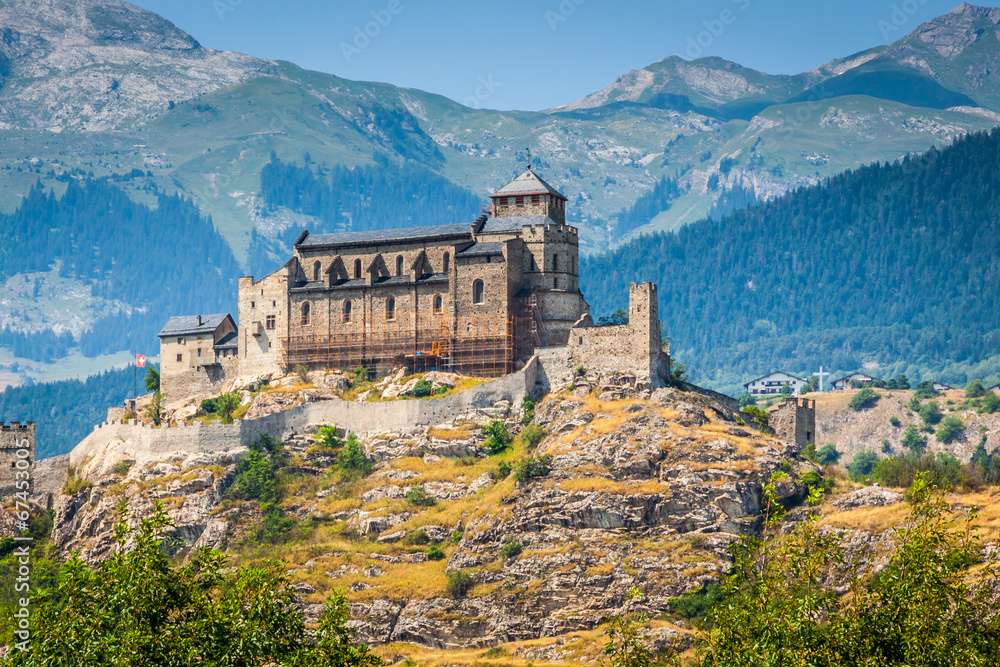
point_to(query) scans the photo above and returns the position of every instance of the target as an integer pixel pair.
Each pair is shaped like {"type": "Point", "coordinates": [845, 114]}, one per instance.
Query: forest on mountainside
{"type": "Point", "coordinates": [355, 199]}
{"type": "Point", "coordinates": [155, 261]}
{"type": "Point", "coordinates": [65, 412]}
{"type": "Point", "coordinates": [894, 263]}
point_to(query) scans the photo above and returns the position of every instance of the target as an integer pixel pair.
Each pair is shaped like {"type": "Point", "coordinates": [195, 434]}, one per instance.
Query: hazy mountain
{"type": "Point", "coordinates": [101, 89]}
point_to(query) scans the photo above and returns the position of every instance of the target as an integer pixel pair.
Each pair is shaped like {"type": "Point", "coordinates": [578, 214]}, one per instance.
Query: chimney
{"type": "Point", "coordinates": [199, 320]}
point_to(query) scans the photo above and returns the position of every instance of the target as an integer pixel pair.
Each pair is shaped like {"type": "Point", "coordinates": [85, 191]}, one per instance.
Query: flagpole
{"type": "Point", "coordinates": [135, 375]}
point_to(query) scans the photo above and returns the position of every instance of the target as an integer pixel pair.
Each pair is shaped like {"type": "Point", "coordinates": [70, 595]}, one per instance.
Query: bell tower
{"type": "Point", "coordinates": [529, 194]}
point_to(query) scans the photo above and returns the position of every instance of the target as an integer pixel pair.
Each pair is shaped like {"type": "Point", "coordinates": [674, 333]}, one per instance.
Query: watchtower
{"type": "Point", "coordinates": [17, 455]}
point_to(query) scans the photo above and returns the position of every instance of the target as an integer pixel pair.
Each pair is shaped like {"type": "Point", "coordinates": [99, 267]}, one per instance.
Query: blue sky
{"type": "Point", "coordinates": [542, 53]}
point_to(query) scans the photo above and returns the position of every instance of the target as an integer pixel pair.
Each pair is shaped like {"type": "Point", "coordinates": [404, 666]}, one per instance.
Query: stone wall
{"type": "Point", "coordinates": [113, 442]}
{"type": "Point", "coordinates": [794, 421]}
{"type": "Point", "coordinates": [17, 457]}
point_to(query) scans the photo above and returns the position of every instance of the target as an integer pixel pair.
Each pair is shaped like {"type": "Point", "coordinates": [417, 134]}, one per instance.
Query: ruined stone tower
{"type": "Point", "coordinates": [17, 457]}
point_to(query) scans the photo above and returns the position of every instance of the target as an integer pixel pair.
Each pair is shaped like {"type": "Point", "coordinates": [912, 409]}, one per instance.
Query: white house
{"type": "Point", "coordinates": [844, 383]}
{"type": "Point", "coordinates": [940, 386]}
{"type": "Point", "coordinates": [772, 384]}
{"type": "Point", "coordinates": [995, 388]}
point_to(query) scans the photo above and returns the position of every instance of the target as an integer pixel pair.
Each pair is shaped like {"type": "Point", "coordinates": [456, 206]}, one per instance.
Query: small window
{"type": "Point", "coordinates": [316, 271]}
{"type": "Point", "coordinates": [534, 266]}
{"type": "Point", "coordinates": [438, 304]}
{"type": "Point", "coordinates": [399, 265]}
{"type": "Point", "coordinates": [306, 308]}
{"type": "Point", "coordinates": [519, 200]}
{"type": "Point", "coordinates": [180, 357]}
{"type": "Point", "coordinates": [447, 262]}
{"type": "Point", "coordinates": [390, 309]}
{"type": "Point", "coordinates": [347, 311]}
{"type": "Point", "coordinates": [555, 262]}
{"type": "Point", "coordinates": [269, 321]}
{"type": "Point", "coordinates": [253, 304]}
{"type": "Point", "coordinates": [199, 351]}
{"type": "Point", "coordinates": [357, 268]}
{"type": "Point", "coordinates": [555, 283]}
{"type": "Point", "coordinates": [478, 290]}
{"type": "Point", "coordinates": [180, 341]}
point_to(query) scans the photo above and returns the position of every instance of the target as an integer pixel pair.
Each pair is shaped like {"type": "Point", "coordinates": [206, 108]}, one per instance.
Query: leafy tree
{"type": "Point", "coordinates": [626, 645]}
{"type": "Point", "coordinates": [138, 608]}
{"type": "Point", "coordinates": [921, 609]}
{"type": "Point", "coordinates": [863, 400]}
{"type": "Point", "coordinates": [902, 383]}
{"type": "Point", "coordinates": [925, 390]}
{"type": "Point", "coordinates": [152, 381]}
{"type": "Point", "coordinates": [950, 430]}
{"type": "Point", "coordinates": [991, 403]}
{"type": "Point", "coordinates": [758, 417]}
{"type": "Point", "coordinates": [617, 318]}
{"type": "Point", "coordinates": [975, 389]}
{"type": "Point", "coordinates": [827, 455]}
{"type": "Point", "coordinates": [913, 441]}
{"type": "Point", "coordinates": [227, 404]}
{"type": "Point", "coordinates": [862, 463]}
{"type": "Point", "coordinates": [747, 400]}
{"type": "Point", "coordinates": [353, 457]}
{"type": "Point", "coordinates": [786, 391]}
{"type": "Point", "coordinates": [327, 438]}
{"type": "Point", "coordinates": [154, 411]}
{"type": "Point", "coordinates": [256, 478]}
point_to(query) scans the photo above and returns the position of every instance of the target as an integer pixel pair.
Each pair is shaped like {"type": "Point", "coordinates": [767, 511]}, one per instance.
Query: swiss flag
{"type": "Point", "coordinates": [140, 360]}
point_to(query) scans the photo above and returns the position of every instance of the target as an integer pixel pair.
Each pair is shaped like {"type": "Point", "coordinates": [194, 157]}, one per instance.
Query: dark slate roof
{"type": "Point", "coordinates": [528, 183]}
{"type": "Point", "coordinates": [188, 324]}
{"type": "Point", "coordinates": [773, 373]}
{"type": "Point", "coordinates": [855, 375]}
{"type": "Point", "coordinates": [514, 223]}
{"type": "Point", "coordinates": [229, 340]}
{"type": "Point", "coordinates": [482, 249]}
{"type": "Point", "coordinates": [353, 283]}
{"type": "Point", "coordinates": [384, 236]}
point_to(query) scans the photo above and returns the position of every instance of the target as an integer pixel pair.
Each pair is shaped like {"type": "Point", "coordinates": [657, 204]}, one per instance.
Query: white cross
{"type": "Point", "coordinates": [820, 375]}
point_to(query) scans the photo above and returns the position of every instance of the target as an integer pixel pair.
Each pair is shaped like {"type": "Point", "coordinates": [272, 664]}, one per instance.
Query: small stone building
{"type": "Point", "coordinates": [794, 422]}
{"type": "Point", "coordinates": [197, 354]}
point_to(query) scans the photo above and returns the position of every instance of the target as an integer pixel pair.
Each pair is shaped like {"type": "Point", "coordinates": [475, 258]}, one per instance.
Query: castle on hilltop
{"type": "Point", "coordinates": [477, 299]}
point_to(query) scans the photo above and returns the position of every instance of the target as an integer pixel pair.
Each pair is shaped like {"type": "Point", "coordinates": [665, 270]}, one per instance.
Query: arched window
{"type": "Point", "coordinates": [347, 311]}
{"type": "Point", "coordinates": [438, 303]}
{"type": "Point", "coordinates": [555, 262]}
{"type": "Point", "coordinates": [399, 265]}
{"type": "Point", "coordinates": [477, 291]}
{"type": "Point", "coordinates": [316, 270]}
{"type": "Point", "coordinates": [306, 308]}
{"type": "Point", "coordinates": [390, 309]}
{"type": "Point", "coordinates": [447, 262]}
{"type": "Point", "coordinates": [357, 268]}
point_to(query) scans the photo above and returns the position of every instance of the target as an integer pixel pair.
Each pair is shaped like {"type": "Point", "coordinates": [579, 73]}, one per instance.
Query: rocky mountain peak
{"type": "Point", "coordinates": [951, 34]}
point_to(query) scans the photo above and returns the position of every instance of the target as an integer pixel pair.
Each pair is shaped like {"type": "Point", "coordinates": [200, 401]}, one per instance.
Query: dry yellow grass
{"type": "Point", "coordinates": [873, 519]}
{"type": "Point", "coordinates": [603, 485]}
{"type": "Point", "coordinates": [449, 434]}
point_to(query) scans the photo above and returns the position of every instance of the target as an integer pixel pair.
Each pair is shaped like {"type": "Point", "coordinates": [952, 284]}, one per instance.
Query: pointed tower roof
{"type": "Point", "coordinates": [528, 183]}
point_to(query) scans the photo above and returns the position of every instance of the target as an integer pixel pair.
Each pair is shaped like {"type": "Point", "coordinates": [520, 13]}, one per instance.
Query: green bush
{"type": "Point", "coordinates": [991, 403]}
{"type": "Point", "coordinates": [502, 472]}
{"type": "Point", "coordinates": [814, 480]}
{"type": "Point", "coordinates": [458, 584]}
{"type": "Point", "coordinates": [532, 435]}
{"type": "Point", "coordinates": [827, 455]}
{"type": "Point", "coordinates": [530, 467]}
{"type": "Point", "coordinates": [941, 469]}
{"type": "Point", "coordinates": [210, 406]}
{"type": "Point", "coordinates": [420, 537]}
{"type": "Point", "coordinates": [498, 439]}
{"type": "Point", "coordinates": [894, 421]}
{"type": "Point", "coordinates": [274, 525]}
{"type": "Point", "coordinates": [862, 463]}
{"type": "Point", "coordinates": [746, 400]}
{"type": "Point", "coordinates": [975, 389]}
{"type": "Point", "coordinates": [226, 405]}
{"type": "Point", "coordinates": [950, 430]}
{"type": "Point", "coordinates": [930, 412]}
{"type": "Point", "coordinates": [256, 478]}
{"type": "Point", "coordinates": [352, 457]}
{"type": "Point", "coordinates": [698, 604]}
{"type": "Point", "coordinates": [528, 406]}
{"type": "Point", "coordinates": [434, 552]}
{"type": "Point", "coordinates": [886, 446]}
{"type": "Point", "coordinates": [756, 416]}
{"type": "Point", "coordinates": [418, 496]}
{"type": "Point", "coordinates": [913, 441]}
{"type": "Point", "coordinates": [864, 399]}
{"type": "Point", "coordinates": [422, 388]}
{"type": "Point", "coordinates": [511, 548]}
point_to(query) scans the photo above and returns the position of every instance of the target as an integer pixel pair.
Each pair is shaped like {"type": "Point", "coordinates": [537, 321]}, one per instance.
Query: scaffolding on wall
{"type": "Point", "coordinates": [474, 345]}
